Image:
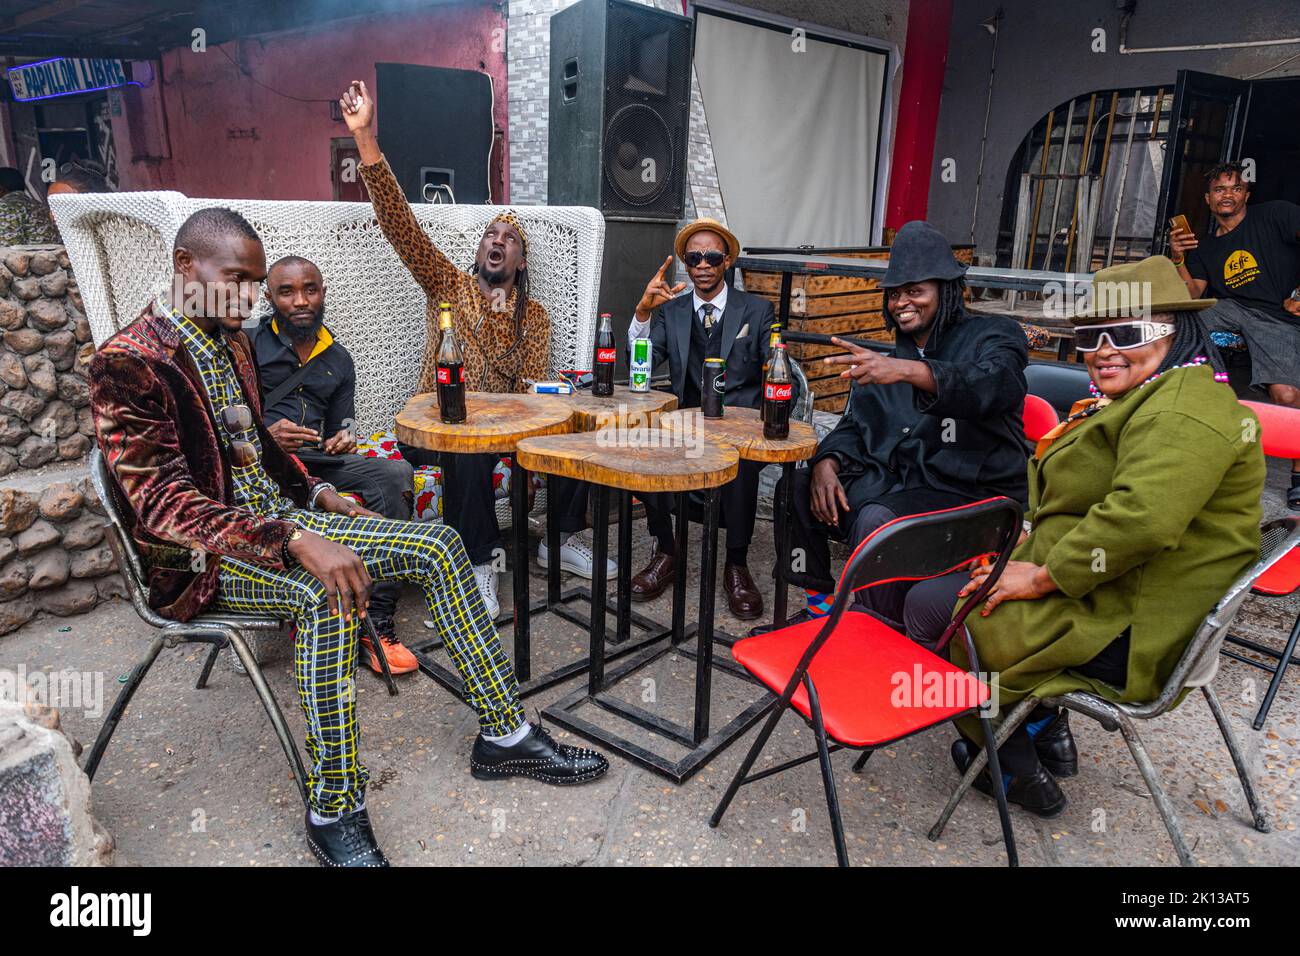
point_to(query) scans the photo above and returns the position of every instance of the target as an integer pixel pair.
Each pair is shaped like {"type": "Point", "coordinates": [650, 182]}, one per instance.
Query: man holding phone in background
{"type": "Point", "coordinates": [1251, 264]}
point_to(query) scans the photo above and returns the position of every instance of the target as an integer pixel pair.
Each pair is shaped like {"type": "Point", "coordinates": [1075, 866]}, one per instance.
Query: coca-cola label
{"type": "Point", "coordinates": [605, 356]}
{"type": "Point", "coordinates": [444, 375]}
{"type": "Point", "coordinates": [775, 392]}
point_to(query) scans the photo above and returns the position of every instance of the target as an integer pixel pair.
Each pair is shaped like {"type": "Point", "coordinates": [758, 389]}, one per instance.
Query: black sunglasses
{"type": "Point", "coordinates": [713, 258]}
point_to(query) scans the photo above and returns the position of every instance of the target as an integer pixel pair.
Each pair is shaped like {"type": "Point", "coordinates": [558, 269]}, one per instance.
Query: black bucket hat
{"type": "Point", "coordinates": [920, 252]}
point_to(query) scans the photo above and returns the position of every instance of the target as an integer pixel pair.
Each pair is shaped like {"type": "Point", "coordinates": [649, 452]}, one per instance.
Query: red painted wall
{"type": "Point", "coordinates": [924, 57]}
{"type": "Point", "coordinates": [175, 130]}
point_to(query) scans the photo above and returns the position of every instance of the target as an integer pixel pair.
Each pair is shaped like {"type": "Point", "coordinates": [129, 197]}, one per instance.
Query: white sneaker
{"type": "Point", "coordinates": [486, 579]}
{"type": "Point", "coordinates": [576, 558]}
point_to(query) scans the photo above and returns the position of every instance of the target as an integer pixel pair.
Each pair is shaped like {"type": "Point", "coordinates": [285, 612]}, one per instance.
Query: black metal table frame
{"type": "Point", "coordinates": [556, 601]}
{"type": "Point", "coordinates": [702, 744]}
{"type": "Point", "coordinates": [781, 573]}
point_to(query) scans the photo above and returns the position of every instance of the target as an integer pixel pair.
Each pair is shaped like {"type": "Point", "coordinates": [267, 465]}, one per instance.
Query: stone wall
{"type": "Point", "coordinates": [44, 399]}
{"type": "Point", "coordinates": [53, 555]}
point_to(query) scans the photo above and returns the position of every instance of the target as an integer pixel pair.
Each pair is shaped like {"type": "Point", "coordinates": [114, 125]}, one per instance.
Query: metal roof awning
{"type": "Point", "coordinates": [143, 29]}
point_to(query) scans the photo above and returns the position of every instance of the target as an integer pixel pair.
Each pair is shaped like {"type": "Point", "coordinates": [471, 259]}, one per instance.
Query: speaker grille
{"type": "Point", "coordinates": [647, 95]}
{"type": "Point", "coordinates": [638, 154]}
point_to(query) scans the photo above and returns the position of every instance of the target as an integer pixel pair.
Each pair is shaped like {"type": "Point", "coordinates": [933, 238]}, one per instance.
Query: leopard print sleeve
{"type": "Point", "coordinates": [434, 272]}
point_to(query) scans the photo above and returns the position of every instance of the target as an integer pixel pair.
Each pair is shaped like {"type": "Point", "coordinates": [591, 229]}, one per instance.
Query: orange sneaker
{"type": "Point", "coordinates": [400, 660]}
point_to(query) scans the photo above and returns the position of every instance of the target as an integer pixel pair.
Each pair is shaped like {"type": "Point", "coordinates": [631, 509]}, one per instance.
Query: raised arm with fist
{"type": "Point", "coordinates": [359, 113]}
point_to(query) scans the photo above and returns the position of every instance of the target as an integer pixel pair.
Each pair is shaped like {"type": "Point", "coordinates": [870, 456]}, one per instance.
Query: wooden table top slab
{"type": "Point", "coordinates": [494, 422]}
{"type": "Point", "coordinates": [624, 407]}
{"type": "Point", "coordinates": [742, 428]}
{"type": "Point", "coordinates": [651, 463]}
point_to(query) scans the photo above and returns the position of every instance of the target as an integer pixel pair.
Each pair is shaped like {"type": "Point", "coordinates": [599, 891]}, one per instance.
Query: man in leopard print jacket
{"type": "Point", "coordinates": [505, 337]}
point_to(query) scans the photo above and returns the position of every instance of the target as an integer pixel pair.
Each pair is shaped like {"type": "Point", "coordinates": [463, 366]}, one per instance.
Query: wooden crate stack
{"type": "Point", "coordinates": [831, 305]}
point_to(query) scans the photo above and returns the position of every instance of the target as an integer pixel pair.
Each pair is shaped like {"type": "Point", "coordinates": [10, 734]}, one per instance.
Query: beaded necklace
{"type": "Point", "coordinates": [1199, 360]}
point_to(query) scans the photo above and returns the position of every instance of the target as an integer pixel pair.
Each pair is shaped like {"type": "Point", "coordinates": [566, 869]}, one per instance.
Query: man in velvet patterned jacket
{"type": "Point", "coordinates": [226, 519]}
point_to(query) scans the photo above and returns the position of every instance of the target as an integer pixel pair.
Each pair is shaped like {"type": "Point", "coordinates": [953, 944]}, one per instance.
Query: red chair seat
{"type": "Point", "coordinates": [1282, 578]}
{"type": "Point", "coordinates": [875, 685]}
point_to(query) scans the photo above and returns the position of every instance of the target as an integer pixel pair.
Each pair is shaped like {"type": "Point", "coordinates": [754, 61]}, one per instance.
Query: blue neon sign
{"type": "Point", "coordinates": [64, 76]}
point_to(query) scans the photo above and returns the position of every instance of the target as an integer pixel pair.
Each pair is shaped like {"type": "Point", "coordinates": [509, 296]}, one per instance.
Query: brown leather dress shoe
{"type": "Point", "coordinates": [654, 578]}
{"type": "Point", "coordinates": [742, 594]}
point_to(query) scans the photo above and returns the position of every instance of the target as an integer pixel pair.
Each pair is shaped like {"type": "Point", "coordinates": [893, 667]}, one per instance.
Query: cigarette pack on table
{"type": "Point", "coordinates": [553, 388]}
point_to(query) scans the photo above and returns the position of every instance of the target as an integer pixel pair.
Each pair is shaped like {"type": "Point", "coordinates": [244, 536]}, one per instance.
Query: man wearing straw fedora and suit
{"type": "Point", "coordinates": [715, 320]}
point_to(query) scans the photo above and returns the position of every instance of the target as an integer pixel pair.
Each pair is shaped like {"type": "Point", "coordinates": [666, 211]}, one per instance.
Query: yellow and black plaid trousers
{"type": "Point", "coordinates": [325, 652]}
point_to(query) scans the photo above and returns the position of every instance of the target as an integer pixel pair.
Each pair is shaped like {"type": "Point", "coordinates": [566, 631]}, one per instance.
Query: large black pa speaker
{"type": "Point", "coordinates": [620, 90]}
{"type": "Point", "coordinates": [435, 128]}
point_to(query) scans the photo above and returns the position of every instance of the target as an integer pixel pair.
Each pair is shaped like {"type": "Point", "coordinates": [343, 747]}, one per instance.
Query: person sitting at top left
{"type": "Point", "coordinates": [24, 221]}
{"type": "Point", "coordinates": [308, 386]}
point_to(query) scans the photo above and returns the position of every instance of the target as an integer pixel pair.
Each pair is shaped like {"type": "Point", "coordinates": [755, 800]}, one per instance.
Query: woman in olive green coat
{"type": "Point", "coordinates": [1144, 507]}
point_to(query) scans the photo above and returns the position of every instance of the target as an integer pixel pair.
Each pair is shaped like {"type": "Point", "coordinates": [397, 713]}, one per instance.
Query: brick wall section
{"type": "Point", "coordinates": [529, 28]}
{"type": "Point", "coordinates": [44, 399]}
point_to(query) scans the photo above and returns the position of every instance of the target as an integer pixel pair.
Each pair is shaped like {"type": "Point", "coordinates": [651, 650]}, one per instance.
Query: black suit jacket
{"type": "Point", "coordinates": [745, 355]}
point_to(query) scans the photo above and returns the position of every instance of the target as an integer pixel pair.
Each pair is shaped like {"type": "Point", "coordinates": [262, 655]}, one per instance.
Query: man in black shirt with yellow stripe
{"type": "Point", "coordinates": [1250, 262]}
{"type": "Point", "coordinates": [312, 414]}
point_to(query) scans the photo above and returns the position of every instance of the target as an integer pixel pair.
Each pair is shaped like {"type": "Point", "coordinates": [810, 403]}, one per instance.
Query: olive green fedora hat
{"type": "Point", "coordinates": [1138, 290]}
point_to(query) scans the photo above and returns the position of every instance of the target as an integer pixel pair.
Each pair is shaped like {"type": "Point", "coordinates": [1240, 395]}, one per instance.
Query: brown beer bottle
{"type": "Point", "coordinates": [450, 371]}
{"type": "Point", "coordinates": [778, 396]}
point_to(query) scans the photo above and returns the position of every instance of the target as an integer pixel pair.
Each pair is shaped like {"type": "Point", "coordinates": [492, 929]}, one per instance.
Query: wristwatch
{"type": "Point", "coordinates": [285, 554]}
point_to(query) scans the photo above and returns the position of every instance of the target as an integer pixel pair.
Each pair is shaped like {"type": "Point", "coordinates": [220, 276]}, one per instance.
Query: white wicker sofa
{"type": "Point", "coordinates": [120, 248]}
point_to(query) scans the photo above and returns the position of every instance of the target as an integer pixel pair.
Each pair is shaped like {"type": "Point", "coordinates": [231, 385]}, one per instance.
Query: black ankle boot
{"type": "Point", "coordinates": [1036, 792]}
{"type": "Point", "coordinates": [1054, 745]}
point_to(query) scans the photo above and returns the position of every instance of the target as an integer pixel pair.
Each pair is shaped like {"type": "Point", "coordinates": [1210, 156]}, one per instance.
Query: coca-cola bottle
{"type": "Point", "coordinates": [606, 354]}
{"type": "Point", "coordinates": [450, 371]}
{"type": "Point", "coordinates": [778, 395]}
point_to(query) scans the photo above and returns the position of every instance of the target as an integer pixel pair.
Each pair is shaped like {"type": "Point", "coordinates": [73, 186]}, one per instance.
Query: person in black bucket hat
{"type": "Point", "coordinates": [935, 424]}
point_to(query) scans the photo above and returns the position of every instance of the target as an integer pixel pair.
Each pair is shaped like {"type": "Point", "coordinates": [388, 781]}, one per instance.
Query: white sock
{"type": "Point", "coordinates": [512, 738]}
{"type": "Point", "coordinates": [321, 821]}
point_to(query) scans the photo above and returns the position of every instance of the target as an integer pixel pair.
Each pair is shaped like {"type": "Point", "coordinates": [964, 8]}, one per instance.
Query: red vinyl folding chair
{"type": "Point", "coordinates": [842, 673]}
{"type": "Point", "coordinates": [1039, 417]}
{"type": "Point", "coordinates": [1280, 436]}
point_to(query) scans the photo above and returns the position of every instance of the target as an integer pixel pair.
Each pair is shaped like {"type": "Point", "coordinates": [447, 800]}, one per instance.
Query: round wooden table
{"type": "Point", "coordinates": [645, 460]}
{"type": "Point", "coordinates": [494, 423]}
{"type": "Point", "coordinates": [625, 407]}
{"type": "Point", "coordinates": [742, 428]}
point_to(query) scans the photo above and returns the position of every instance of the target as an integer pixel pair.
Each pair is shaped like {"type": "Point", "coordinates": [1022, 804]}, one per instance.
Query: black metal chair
{"type": "Point", "coordinates": [1060, 383]}
{"type": "Point", "coordinates": [1196, 668]}
{"type": "Point", "coordinates": [841, 674]}
{"type": "Point", "coordinates": [217, 629]}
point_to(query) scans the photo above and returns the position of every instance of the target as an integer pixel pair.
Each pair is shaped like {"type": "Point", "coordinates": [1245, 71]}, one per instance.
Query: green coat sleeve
{"type": "Point", "coordinates": [1167, 467]}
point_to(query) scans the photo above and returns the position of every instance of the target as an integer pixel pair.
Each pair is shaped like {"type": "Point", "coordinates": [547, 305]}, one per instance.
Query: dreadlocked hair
{"type": "Point", "coordinates": [521, 300]}
{"type": "Point", "coordinates": [1191, 339]}
{"type": "Point", "coordinates": [952, 308]}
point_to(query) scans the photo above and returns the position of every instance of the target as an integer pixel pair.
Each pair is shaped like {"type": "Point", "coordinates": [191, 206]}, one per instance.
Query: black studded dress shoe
{"type": "Point", "coordinates": [347, 841]}
{"type": "Point", "coordinates": [537, 756]}
{"type": "Point", "coordinates": [1055, 747]}
{"type": "Point", "coordinates": [1036, 792]}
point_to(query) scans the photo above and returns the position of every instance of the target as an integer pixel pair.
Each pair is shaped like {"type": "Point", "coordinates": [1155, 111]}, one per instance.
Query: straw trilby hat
{"type": "Point", "coordinates": [1138, 290]}
{"type": "Point", "coordinates": [707, 225]}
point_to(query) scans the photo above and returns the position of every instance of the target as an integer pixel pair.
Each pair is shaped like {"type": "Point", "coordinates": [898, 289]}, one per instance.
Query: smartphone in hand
{"type": "Point", "coordinates": [1179, 222]}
